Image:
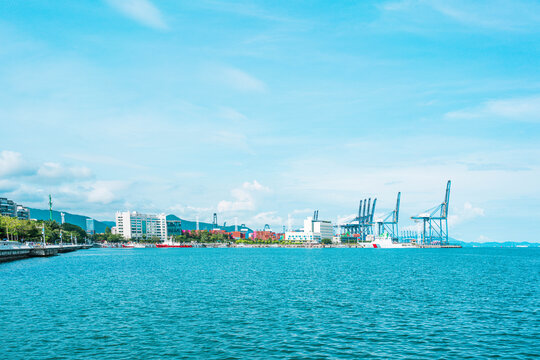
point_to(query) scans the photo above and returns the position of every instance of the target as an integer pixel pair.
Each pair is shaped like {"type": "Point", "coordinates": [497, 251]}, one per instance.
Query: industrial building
{"type": "Point", "coordinates": [12, 209]}
{"type": "Point", "coordinates": [137, 226]}
{"type": "Point", "coordinates": [314, 230]}
{"type": "Point", "coordinates": [265, 235]}
{"type": "Point", "coordinates": [238, 235]}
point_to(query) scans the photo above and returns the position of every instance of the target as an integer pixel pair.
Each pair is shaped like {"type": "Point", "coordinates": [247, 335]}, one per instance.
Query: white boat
{"type": "Point", "coordinates": [169, 243]}
{"type": "Point", "coordinates": [385, 242]}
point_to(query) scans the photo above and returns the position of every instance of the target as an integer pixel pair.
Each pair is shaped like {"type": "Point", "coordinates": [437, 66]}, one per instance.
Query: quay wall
{"type": "Point", "coordinates": [53, 250]}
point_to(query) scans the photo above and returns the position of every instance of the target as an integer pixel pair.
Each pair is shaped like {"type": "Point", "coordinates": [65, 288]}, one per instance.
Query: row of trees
{"type": "Point", "coordinates": [205, 236]}
{"type": "Point", "coordinates": [202, 236]}
{"type": "Point", "coordinates": [32, 231]}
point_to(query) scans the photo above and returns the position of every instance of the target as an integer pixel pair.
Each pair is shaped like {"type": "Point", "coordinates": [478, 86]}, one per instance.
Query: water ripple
{"type": "Point", "coordinates": [272, 303]}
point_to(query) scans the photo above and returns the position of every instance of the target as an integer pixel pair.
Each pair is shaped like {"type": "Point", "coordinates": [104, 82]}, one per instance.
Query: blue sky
{"type": "Point", "coordinates": [263, 110]}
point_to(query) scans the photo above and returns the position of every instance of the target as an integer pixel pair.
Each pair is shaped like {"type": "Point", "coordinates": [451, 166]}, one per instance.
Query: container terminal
{"type": "Point", "coordinates": [384, 232]}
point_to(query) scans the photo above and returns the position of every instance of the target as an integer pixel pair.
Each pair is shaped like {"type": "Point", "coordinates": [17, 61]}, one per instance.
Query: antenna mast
{"type": "Point", "coordinates": [50, 207]}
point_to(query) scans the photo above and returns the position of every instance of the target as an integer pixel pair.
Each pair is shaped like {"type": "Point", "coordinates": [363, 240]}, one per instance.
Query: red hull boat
{"type": "Point", "coordinates": [173, 246]}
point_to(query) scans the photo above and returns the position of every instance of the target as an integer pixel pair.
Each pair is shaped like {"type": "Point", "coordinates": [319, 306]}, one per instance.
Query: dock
{"type": "Point", "coordinates": [30, 252]}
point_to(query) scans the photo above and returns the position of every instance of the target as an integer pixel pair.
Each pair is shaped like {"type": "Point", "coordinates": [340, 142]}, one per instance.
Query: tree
{"type": "Point", "coordinates": [53, 225]}
{"type": "Point", "coordinates": [180, 238]}
{"type": "Point", "coordinates": [326, 241]}
{"type": "Point", "coordinates": [205, 236]}
{"type": "Point", "coordinates": [81, 234]}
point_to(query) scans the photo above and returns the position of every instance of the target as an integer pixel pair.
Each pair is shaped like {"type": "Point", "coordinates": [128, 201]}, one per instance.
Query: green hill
{"type": "Point", "coordinates": [79, 220]}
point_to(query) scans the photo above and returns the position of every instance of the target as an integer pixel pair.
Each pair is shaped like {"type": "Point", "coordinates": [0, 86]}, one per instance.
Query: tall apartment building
{"type": "Point", "coordinates": [7, 207]}
{"type": "Point", "coordinates": [90, 226]}
{"type": "Point", "coordinates": [22, 213]}
{"type": "Point", "coordinates": [137, 226]}
{"type": "Point", "coordinates": [174, 225]}
{"type": "Point", "coordinates": [10, 208]}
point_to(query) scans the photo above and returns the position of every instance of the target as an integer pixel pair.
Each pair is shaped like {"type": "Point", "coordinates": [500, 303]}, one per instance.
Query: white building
{"type": "Point", "coordinates": [314, 231]}
{"type": "Point", "coordinates": [12, 209]}
{"type": "Point", "coordinates": [133, 225]}
{"type": "Point", "coordinates": [300, 237]}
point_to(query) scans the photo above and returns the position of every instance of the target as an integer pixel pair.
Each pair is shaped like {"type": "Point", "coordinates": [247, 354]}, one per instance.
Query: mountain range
{"type": "Point", "coordinates": [79, 220]}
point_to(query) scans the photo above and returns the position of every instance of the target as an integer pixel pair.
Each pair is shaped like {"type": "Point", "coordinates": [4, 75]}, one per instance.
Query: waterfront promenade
{"type": "Point", "coordinates": [38, 251]}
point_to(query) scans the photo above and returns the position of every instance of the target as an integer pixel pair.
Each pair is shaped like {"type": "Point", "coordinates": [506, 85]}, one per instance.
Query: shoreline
{"type": "Point", "coordinates": [21, 253]}
{"type": "Point", "coordinates": [277, 246]}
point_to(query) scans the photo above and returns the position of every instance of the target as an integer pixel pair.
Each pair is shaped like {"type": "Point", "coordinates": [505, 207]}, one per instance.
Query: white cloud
{"type": "Point", "coordinates": [398, 5]}
{"type": "Point", "coordinates": [468, 212]}
{"type": "Point", "coordinates": [345, 219]}
{"type": "Point", "coordinates": [526, 109]}
{"type": "Point", "coordinates": [56, 170]}
{"type": "Point", "coordinates": [238, 79]}
{"type": "Point", "coordinates": [231, 139]}
{"type": "Point", "coordinates": [104, 160]}
{"type": "Point", "coordinates": [142, 11]}
{"type": "Point", "coordinates": [29, 193]}
{"type": "Point", "coordinates": [302, 211]}
{"type": "Point", "coordinates": [7, 186]}
{"type": "Point", "coordinates": [189, 210]}
{"type": "Point", "coordinates": [244, 197]}
{"type": "Point", "coordinates": [231, 114]}
{"type": "Point", "coordinates": [489, 14]}
{"type": "Point", "coordinates": [255, 185]}
{"type": "Point", "coordinates": [268, 217]}
{"type": "Point", "coordinates": [248, 9]}
{"type": "Point", "coordinates": [105, 192]}
{"type": "Point", "coordinates": [13, 164]}
{"type": "Point", "coordinates": [499, 15]}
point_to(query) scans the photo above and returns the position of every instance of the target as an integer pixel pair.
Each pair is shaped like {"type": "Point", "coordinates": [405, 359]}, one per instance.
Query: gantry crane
{"type": "Point", "coordinates": [389, 224]}
{"type": "Point", "coordinates": [435, 222]}
{"type": "Point", "coordinates": [363, 223]}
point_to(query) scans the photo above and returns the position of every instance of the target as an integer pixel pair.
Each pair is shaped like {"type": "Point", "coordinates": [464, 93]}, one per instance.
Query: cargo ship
{"type": "Point", "coordinates": [385, 242]}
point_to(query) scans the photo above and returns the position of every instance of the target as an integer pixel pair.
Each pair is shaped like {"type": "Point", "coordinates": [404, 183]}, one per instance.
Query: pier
{"type": "Point", "coordinates": [30, 252]}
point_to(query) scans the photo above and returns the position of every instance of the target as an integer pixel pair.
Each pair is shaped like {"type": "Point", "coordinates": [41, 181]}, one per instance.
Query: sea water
{"type": "Point", "coordinates": [272, 303]}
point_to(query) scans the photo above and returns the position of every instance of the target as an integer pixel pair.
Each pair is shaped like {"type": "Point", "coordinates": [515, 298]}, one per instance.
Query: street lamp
{"type": "Point", "coordinates": [43, 234]}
